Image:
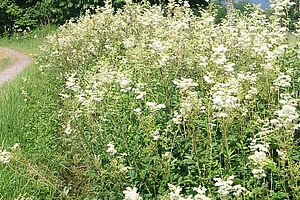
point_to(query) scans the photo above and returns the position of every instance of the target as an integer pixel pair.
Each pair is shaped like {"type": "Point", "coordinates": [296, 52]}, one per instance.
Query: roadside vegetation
{"type": "Point", "coordinates": [19, 121]}
{"type": "Point", "coordinates": [143, 104]}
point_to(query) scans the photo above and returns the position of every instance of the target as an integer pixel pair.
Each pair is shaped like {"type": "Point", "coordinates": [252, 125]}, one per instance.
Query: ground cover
{"type": "Point", "coordinates": [18, 119]}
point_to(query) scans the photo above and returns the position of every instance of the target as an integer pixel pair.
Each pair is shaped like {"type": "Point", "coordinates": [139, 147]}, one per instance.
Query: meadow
{"type": "Point", "coordinates": [153, 102]}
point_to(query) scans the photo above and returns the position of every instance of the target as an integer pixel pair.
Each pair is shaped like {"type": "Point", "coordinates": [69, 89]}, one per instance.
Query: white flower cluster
{"type": "Point", "coordinates": [224, 97]}
{"type": "Point", "coordinates": [189, 100]}
{"type": "Point", "coordinates": [287, 116]}
{"type": "Point", "coordinates": [260, 150]}
{"type": "Point", "coordinates": [177, 119]}
{"type": "Point", "coordinates": [131, 194]}
{"type": "Point", "coordinates": [111, 150]}
{"type": "Point", "coordinates": [185, 83]}
{"type": "Point", "coordinates": [129, 42]}
{"type": "Point", "coordinates": [155, 135]}
{"type": "Point", "coordinates": [154, 106]}
{"type": "Point", "coordinates": [72, 82]}
{"type": "Point", "coordinates": [200, 193]}
{"type": "Point", "coordinates": [208, 78]}
{"type": "Point", "coordinates": [157, 45]}
{"type": "Point", "coordinates": [94, 89]}
{"type": "Point", "coordinates": [176, 190]}
{"type": "Point", "coordinates": [225, 188]}
{"type": "Point", "coordinates": [251, 80]}
{"type": "Point", "coordinates": [5, 156]}
{"type": "Point", "coordinates": [125, 85]}
{"type": "Point", "coordinates": [139, 91]}
{"type": "Point", "coordinates": [219, 54]}
{"type": "Point", "coordinates": [279, 6]}
{"type": "Point", "coordinates": [283, 80]}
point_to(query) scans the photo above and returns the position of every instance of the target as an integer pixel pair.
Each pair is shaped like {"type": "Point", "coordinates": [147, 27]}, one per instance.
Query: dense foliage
{"type": "Point", "coordinates": [170, 105]}
{"type": "Point", "coordinates": [24, 15]}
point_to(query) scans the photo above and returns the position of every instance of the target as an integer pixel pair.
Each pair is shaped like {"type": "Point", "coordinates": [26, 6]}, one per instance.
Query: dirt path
{"type": "Point", "coordinates": [20, 62]}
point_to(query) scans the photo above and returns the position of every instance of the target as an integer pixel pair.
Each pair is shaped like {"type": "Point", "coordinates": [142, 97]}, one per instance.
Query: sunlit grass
{"type": "Point", "coordinates": [20, 118]}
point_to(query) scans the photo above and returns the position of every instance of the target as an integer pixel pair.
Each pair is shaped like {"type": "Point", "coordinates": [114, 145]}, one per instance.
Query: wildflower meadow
{"type": "Point", "coordinates": [157, 102]}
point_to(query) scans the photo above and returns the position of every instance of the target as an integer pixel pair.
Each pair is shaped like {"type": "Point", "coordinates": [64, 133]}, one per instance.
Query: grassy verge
{"type": "Point", "coordinates": [26, 110]}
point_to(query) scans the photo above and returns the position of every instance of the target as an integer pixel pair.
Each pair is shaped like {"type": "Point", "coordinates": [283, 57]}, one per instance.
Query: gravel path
{"type": "Point", "coordinates": [20, 62]}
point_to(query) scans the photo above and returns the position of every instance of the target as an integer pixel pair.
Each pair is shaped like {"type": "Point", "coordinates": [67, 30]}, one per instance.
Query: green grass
{"type": "Point", "coordinates": [292, 40]}
{"type": "Point", "coordinates": [26, 110]}
{"type": "Point", "coordinates": [4, 62]}
{"type": "Point", "coordinates": [27, 43]}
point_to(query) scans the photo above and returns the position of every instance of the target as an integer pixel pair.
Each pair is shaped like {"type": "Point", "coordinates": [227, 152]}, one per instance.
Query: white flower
{"type": "Point", "coordinates": [137, 110]}
{"type": "Point", "coordinates": [281, 154]}
{"type": "Point", "coordinates": [208, 79]}
{"type": "Point", "coordinates": [151, 104]}
{"type": "Point", "coordinates": [140, 95]}
{"type": "Point", "coordinates": [175, 192]}
{"type": "Point", "coordinates": [200, 189]}
{"type": "Point", "coordinates": [68, 129]}
{"type": "Point", "coordinates": [160, 106]}
{"type": "Point", "coordinates": [224, 187]}
{"type": "Point", "coordinates": [154, 106]}
{"type": "Point", "coordinates": [111, 149]}
{"type": "Point", "coordinates": [155, 135]}
{"type": "Point", "coordinates": [229, 67]}
{"type": "Point", "coordinates": [125, 84]}
{"type": "Point", "coordinates": [201, 193]}
{"type": "Point", "coordinates": [287, 112]}
{"type": "Point", "coordinates": [185, 83]}
{"type": "Point", "coordinates": [258, 158]}
{"type": "Point", "coordinates": [283, 80]}
{"type": "Point", "coordinates": [177, 119]}
{"type": "Point", "coordinates": [64, 96]}
{"type": "Point", "coordinates": [222, 115]}
{"type": "Point", "coordinates": [5, 156]}
{"type": "Point", "coordinates": [157, 45]}
{"type": "Point", "coordinates": [72, 82]}
{"type": "Point", "coordinates": [224, 95]}
{"type": "Point", "coordinates": [15, 147]}
{"type": "Point", "coordinates": [258, 173]}
{"type": "Point", "coordinates": [167, 155]}
{"type": "Point", "coordinates": [131, 194]}
{"type": "Point", "coordinates": [218, 56]}
{"type": "Point", "coordinates": [238, 190]}
{"type": "Point", "coordinates": [129, 42]}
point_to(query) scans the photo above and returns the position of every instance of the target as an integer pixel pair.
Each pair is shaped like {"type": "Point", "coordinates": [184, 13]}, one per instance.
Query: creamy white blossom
{"type": "Point", "coordinates": [131, 194]}
{"type": "Point", "coordinates": [111, 149]}
{"type": "Point", "coordinates": [5, 156]}
{"type": "Point", "coordinates": [185, 83]}
{"type": "Point", "coordinates": [154, 106]}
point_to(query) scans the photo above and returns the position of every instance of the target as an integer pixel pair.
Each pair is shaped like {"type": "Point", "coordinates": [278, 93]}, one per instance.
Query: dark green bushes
{"type": "Point", "coordinates": [24, 15]}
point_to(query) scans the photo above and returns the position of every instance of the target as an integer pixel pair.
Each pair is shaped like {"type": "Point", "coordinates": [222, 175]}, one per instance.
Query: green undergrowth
{"type": "Point", "coordinates": [26, 117]}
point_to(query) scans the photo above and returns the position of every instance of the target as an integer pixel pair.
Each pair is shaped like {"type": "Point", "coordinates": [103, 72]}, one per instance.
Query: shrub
{"type": "Point", "coordinates": [169, 105]}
